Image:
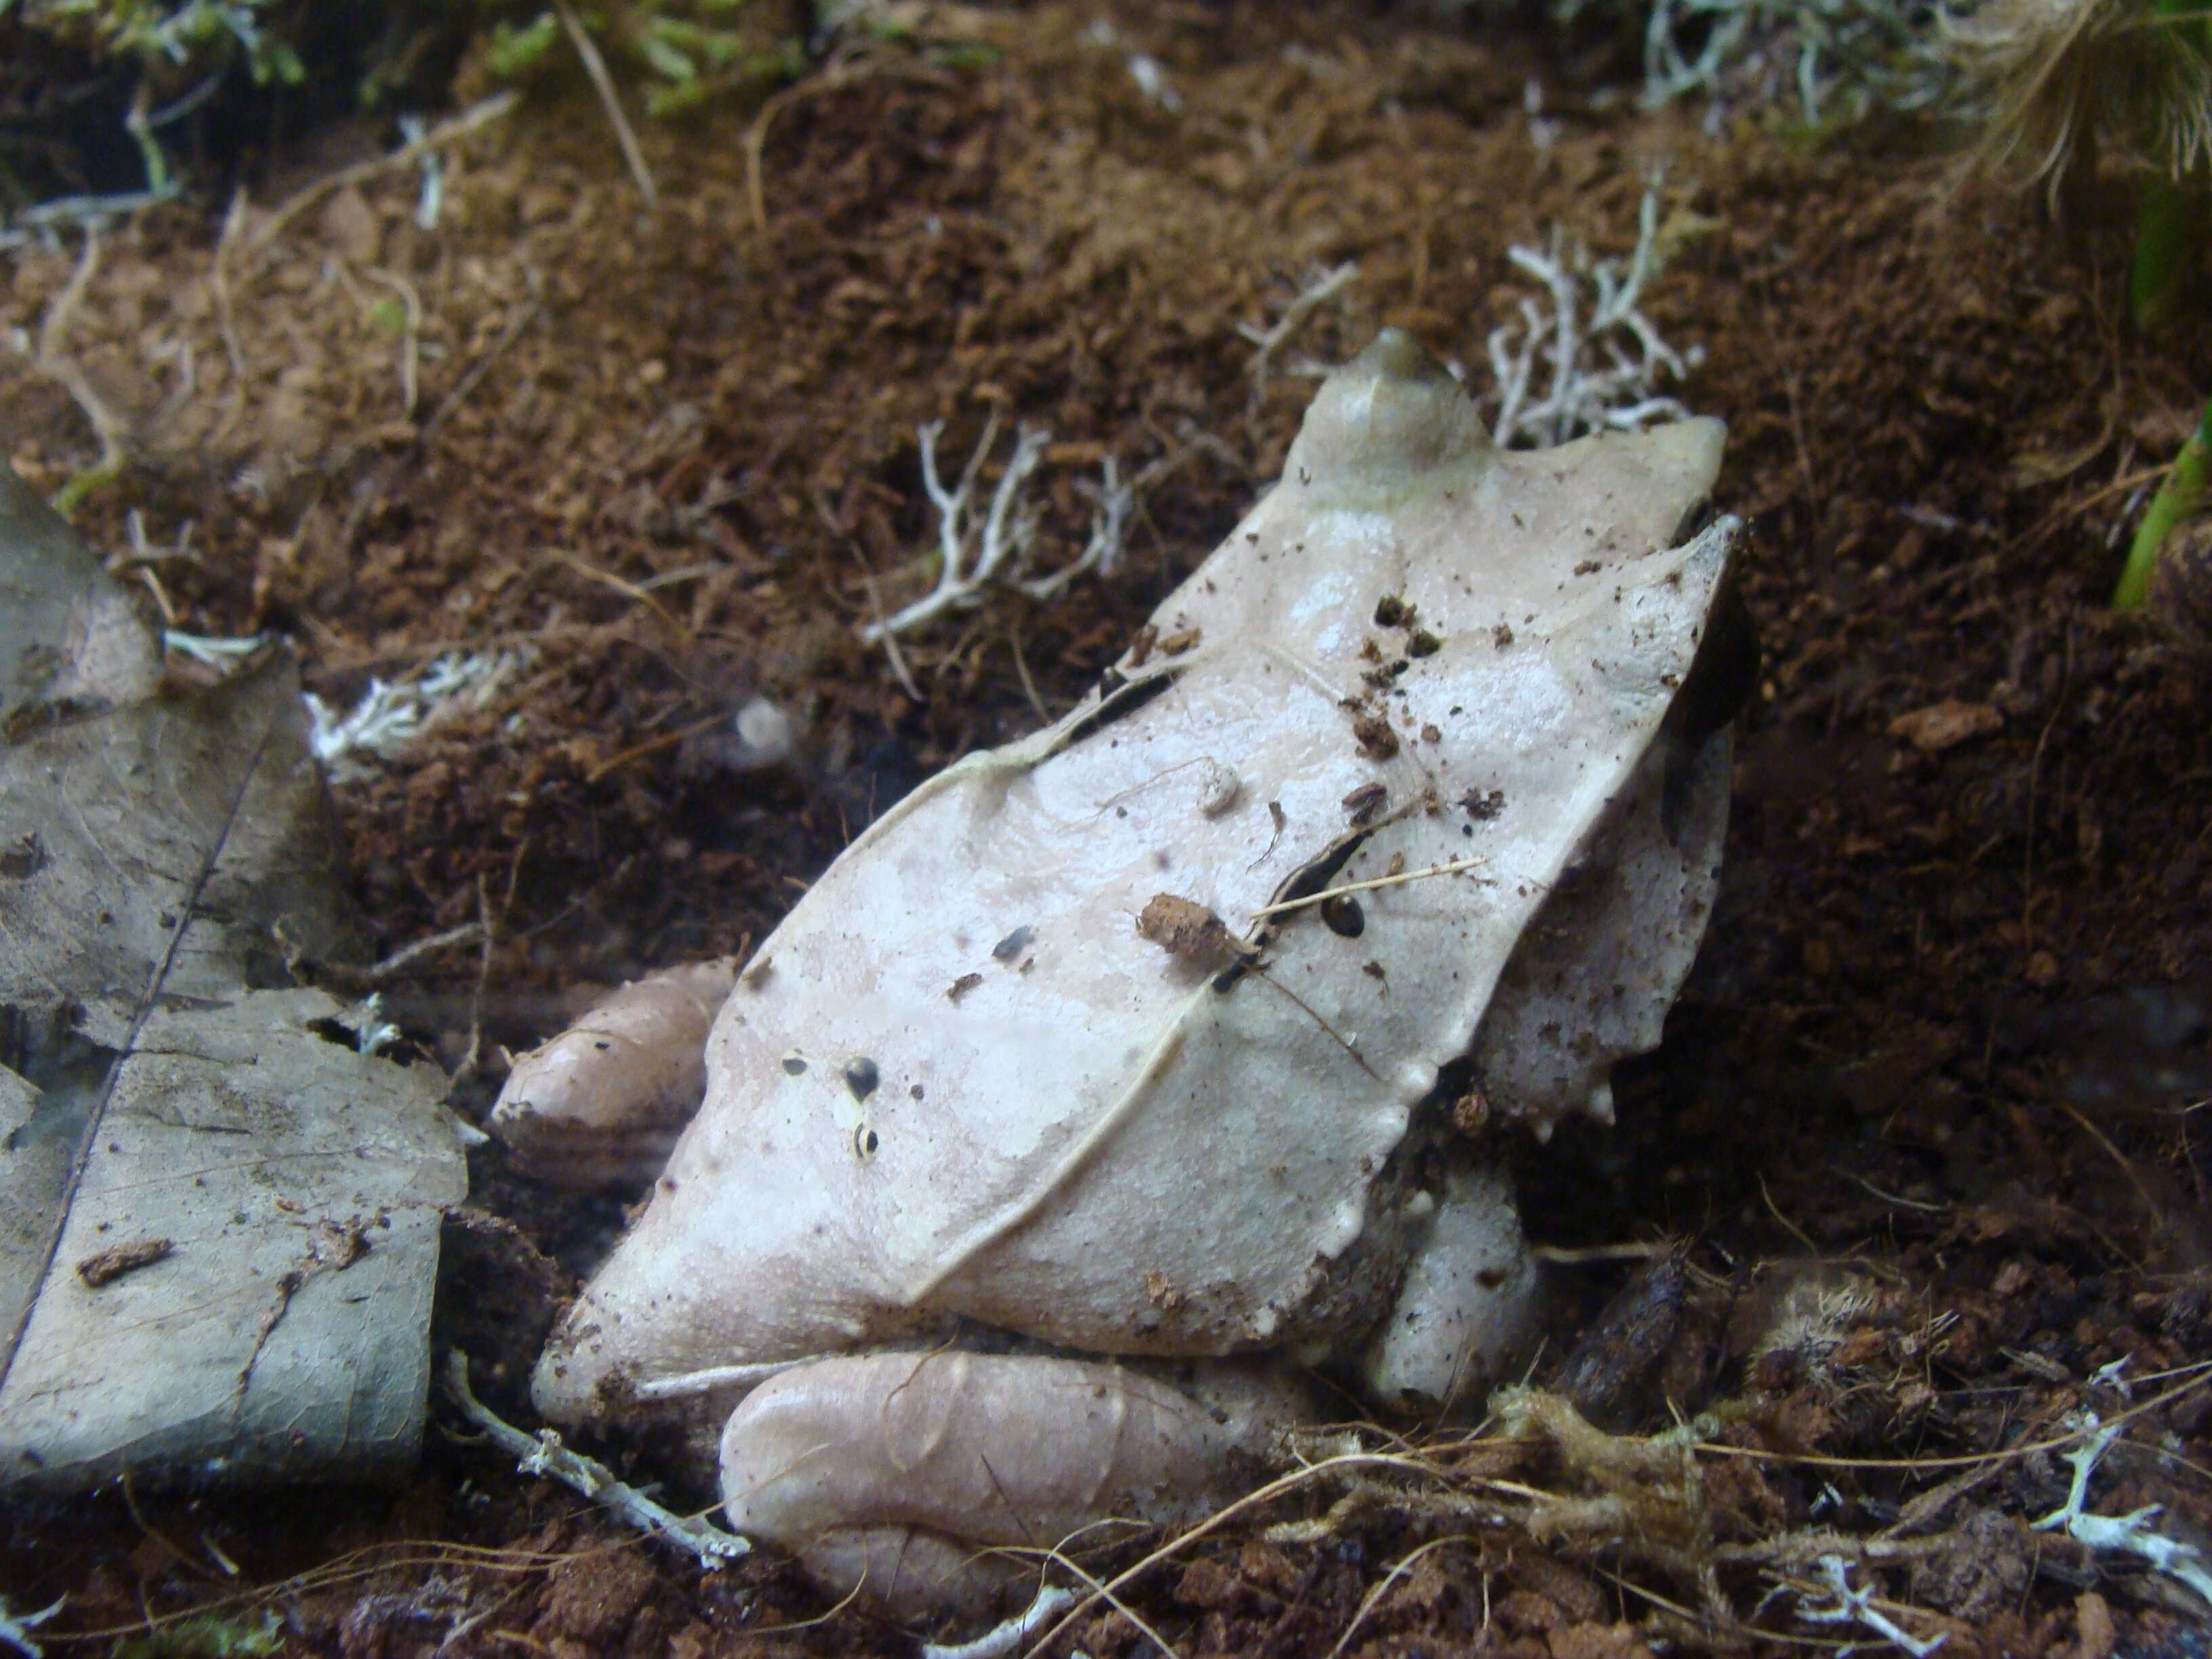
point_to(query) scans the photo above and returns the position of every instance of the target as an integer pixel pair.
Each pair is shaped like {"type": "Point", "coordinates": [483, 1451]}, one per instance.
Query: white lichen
{"type": "Point", "coordinates": [1014, 1633]}
{"type": "Point", "coordinates": [392, 715]}
{"type": "Point", "coordinates": [15, 1628]}
{"type": "Point", "coordinates": [2120, 1534]}
{"type": "Point", "coordinates": [1603, 358]}
{"type": "Point", "coordinates": [213, 650]}
{"type": "Point", "coordinates": [543, 1454]}
{"type": "Point", "coordinates": [974, 559]}
{"type": "Point", "coordinates": [1855, 1607]}
{"type": "Point", "coordinates": [1320, 287]}
{"type": "Point", "coordinates": [1838, 56]}
{"type": "Point", "coordinates": [371, 1032]}
{"type": "Point", "coordinates": [969, 556]}
{"type": "Point", "coordinates": [1112, 504]}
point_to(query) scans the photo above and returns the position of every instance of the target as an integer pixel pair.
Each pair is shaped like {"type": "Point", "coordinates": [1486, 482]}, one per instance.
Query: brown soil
{"type": "Point", "coordinates": [1923, 1117]}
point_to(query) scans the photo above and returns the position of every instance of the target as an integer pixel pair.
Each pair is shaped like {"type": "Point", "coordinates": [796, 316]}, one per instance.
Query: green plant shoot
{"type": "Point", "coordinates": [2181, 494]}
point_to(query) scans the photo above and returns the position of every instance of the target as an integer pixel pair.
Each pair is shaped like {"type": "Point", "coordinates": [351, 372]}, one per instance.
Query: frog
{"type": "Point", "coordinates": [1121, 1081]}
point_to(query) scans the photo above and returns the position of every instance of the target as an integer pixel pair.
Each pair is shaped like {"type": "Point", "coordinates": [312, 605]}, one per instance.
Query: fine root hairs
{"type": "Point", "coordinates": [1650, 1494]}
{"type": "Point", "coordinates": [543, 1454]}
{"type": "Point", "coordinates": [1321, 287]}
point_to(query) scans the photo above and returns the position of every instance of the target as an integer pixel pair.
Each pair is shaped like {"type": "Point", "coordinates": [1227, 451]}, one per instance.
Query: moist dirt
{"type": "Point", "coordinates": [1922, 1159]}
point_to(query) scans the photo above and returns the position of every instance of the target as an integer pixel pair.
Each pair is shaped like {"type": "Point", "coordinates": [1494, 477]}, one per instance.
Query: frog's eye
{"type": "Point", "coordinates": [1344, 916]}
{"type": "Point", "coordinates": [865, 1142]}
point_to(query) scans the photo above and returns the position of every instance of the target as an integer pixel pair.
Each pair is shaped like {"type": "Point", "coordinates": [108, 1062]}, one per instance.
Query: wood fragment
{"type": "Point", "coordinates": [111, 1264]}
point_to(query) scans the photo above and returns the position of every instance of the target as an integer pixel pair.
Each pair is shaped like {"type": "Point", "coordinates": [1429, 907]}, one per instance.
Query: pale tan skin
{"type": "Point", "coordinates": [1159, 1168]}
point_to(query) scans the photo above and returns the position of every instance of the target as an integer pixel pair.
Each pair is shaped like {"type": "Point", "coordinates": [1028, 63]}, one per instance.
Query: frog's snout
{"type": "Point", "coordinates": [1392, 411]}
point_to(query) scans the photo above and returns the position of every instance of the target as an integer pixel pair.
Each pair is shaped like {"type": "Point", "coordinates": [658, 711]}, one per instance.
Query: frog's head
{"type": "Point", "coordinates": [1391, 413]}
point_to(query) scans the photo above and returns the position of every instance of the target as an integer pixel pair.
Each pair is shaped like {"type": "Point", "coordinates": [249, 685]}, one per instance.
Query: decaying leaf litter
{"type": "Point", "coordinates": [219, 1207]}
{"type": "Point", "coordinates": [1924, 1112]}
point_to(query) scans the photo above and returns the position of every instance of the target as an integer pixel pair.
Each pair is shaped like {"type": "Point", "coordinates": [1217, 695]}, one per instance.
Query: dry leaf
{"type": "Point", "coordinates": [150, 1088]}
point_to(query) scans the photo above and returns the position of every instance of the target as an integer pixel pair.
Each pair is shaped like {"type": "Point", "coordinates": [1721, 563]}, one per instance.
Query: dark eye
{"type": "Point", "coordinates": [1344, 916]}
{"type": "Point", "coordinates": [861, 1076]}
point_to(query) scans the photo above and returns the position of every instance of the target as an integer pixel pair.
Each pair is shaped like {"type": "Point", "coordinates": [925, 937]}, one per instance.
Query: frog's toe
{"type": "Point", "coordinates": [929, 1481]}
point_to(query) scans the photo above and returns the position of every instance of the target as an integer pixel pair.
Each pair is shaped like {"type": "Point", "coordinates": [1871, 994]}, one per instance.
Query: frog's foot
{"type": "Point", "coordinates": [936, 1481]}
{"type": "Point", "coordinates": [600, 1104]}
{"type": "Point", "coordinates": [1469, 1303]}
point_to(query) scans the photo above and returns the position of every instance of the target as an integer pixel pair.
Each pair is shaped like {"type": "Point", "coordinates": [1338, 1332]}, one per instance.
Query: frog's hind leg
{"type": "Point", "coordinates": [927, 1482]}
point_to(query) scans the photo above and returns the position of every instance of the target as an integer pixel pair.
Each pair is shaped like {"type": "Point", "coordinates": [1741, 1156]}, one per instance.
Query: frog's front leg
{"type": "Point", "coordinates": [928, 1480]}
{"type": "Point", "coordinates": [600, 1104]}
{"type": "Point", "coordinates": [1468, 1301]}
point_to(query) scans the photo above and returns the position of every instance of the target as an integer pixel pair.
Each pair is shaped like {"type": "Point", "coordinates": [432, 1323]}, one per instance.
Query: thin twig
{"type": "Point", "coordinates": [50, 360]}
{"type": "Point", "coordinates": [1374, 1597]}
{"type": "Point", "coordinates": [629, 589]}
{"type": "Point", "coordinates": [350, 978]}
{"type": "Point", "coordinates": [842, 71]}
{"type": "Point", "coordinates": [904, 675]}
{"type": "Point", "coordinates": [652, 745]}
{"type": "Point", "coordinates": [411, 299]}
{"type": "Point", "coordinates": [543, 1454]}
{"type": "Point", "coordinates": [486, 936]}
{"type": "Point", "coordinates": [226, 318]}
{"type": "Point", "coordinates": [603, 84]}
{"type": "Point", "coordinates": [366, 500]}
{"type": "Point", "coordinates": [1022, 673]}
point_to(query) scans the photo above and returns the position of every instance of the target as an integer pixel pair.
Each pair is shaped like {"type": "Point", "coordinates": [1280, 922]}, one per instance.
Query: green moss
{"type": "Point", "coordinates": [686, 52]}
{"type": "Point", "coordinates": [207, 1636]}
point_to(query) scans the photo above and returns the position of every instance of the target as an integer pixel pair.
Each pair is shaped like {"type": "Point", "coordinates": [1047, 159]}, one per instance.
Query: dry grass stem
{"type": "Point", "coordinates": [1456, 867]}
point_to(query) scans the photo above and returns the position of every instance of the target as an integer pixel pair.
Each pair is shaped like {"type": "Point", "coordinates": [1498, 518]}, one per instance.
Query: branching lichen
{"type": "Point", "coordinates": [1857, 1607]}
{"type": "Point", "coordinates": [15, 1628]}
{"type": "Point", "coordinates": [1320, 287]}
{"type": "Point", "coordinates": [390, 716]}
{"type": "Point", "coordinates": [2120, 1534]}
{"type": "Point", "coordinates": [543, 1454]}
{"type": "Point", "coordinates": [973, 559]}
{"type": "Point", "coordinates": [1602, 358]}
{"type": "Point", "coordinates": [1840, 58]}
